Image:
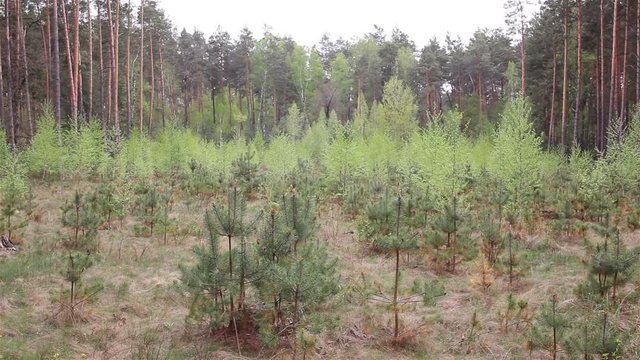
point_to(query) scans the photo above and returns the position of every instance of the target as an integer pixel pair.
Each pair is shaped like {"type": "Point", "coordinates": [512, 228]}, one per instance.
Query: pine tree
{"type": "Point", "coordinates": [81, 216]}
{"type": "Point", "coordinates": [207, 280]}
{"type": "Point", "coordinates": [550, 328]}
{"type": "Point", "coordinates": [14, 193]}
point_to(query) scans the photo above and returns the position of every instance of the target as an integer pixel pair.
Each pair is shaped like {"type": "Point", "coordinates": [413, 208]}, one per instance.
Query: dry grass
{"type": "Point", "coordinates": [140, 314]}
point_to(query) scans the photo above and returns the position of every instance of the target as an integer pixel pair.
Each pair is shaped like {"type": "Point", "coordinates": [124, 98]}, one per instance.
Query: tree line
{"type": "Point", "coordinates": [127, 66]}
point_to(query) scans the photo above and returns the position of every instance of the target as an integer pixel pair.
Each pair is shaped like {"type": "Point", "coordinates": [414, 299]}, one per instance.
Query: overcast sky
{"type": "Point", "coordinates": [306, 21]}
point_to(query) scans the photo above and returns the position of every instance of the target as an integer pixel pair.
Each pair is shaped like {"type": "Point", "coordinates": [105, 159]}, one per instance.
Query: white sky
{"type": "Point", "coordinates": [306, 21]}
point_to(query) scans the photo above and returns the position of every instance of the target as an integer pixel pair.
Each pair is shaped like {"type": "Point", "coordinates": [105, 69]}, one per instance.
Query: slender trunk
{"type": "Point", "coordinates": [2, 111]}
{"type": "Point", "coordinates": [638, 52]}
{"type": "Point", "coordinates": [600, 137]}
{"type": "Point", "coordinates": [46, 40]}
{"type": "Point", "coordinates": [90, 21]}
{"type": "Point", "coordinates": [128, 70]}
{"type": "Point", "coordinates": [116, 72]}
{"type": "Point", "coordinates": [102, 69]}
{"type": "Point", "coordinates": [396, 325]}
{"type": "Point", "coordinates": [113, 45]}
{"type": "Point", "coordinates": [10, 118]}
{"type": "Point", "coordinates": [162, 98]}
{"type": "Point", "coordinates": [552, 112]}
{"type": "Point", "coordinates": [76, 55]}
{"type": "Point", "coordinates": [565, 78]}
{"type": "Point", "coordinates": [56, 69]}
{"type": "Point", "coordinates": [599, 101]}
{"type": "Point", "coordinates": [72, 83]}
{"type": "Point", "coordinates": [576, 119]}
{"type": "Point", "coordinates": [153, 83]}
{"type": "Point", "coordinates": [26, 84]}
{"type": "Point", "coordinates": [141, 82]}
{"type": "Point", "coordinates": [523, 58]}
{"type": "Point", "coordinates": [614, 61]}
{"type": "Point", "coordinates": [623, 87]}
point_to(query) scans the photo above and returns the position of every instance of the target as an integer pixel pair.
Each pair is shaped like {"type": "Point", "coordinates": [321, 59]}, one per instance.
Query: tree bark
{"type": "Point", "coordinates": [152, 87]}
{"type": "Point", "coordinates": [72, 83]}
{"type": "Point", "coordinates": [141, 83]}
{"type": "Point", "coordinates": [128, 70]}
{"type": "Point", "coordinates": [10, 118]}
{"type": "Point", "coordinates": [76, 54]}
{"type": "Point", "coordinates": [5, 118]}
{"type": "Point", "coordinates": [601, 127]}
{"type": "Point", "coordinates": [114, 31]}
{"type": "Point", "coordinates": [614, 60]}
{"type": "Point", "coordinates": [638, 52]}
{"type": "Point", "coordinates": [552, 112]}
{"type": "Point", "coordinates": [162, 95]}
{"type": "Point", "coordinates": [625, 73]}
{"type": "Point", "coordinates": [27, 87]}
{"type": "Point", "coordinates": [565, 78]}
{"type": "Point", "coordinates": [89, 20]}
{"type": "Point", "coordinates": [523, 57]}
{"type": "Point", "coordinates": [576, 120]}
{"type": "Point", "coordinates": [103, 115]}
{"type": "Point", "coordinates": [46, 44]}
{"type": "Point", "coordinates": [56, 69]}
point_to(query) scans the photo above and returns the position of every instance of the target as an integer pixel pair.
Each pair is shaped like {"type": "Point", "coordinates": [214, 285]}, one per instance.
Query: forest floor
{"type": "Point", "coordinates": [140, 312]}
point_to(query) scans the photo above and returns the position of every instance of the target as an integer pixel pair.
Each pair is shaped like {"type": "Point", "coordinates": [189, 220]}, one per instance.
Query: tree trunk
{"type": "Point", "coordinates": [552, 112]}
{"type": "Point", "coordinates": [614, 60]}
{"type": "Point", "coordinates": [576, 120]}
{"type": "Point", "coordinates": [46, 44]}
{"type": "Point", "coordinates": [89, 20]}
{"type": "Point", "coordinates": [128, 70]}
{"type": "Point", "coordinates": [602, 126]}
{"type": "Point", "coordinates": [56, 69]}
{"type": "Point", "coordinates": [638, 52]}
{"type": "Point", "coordinates": [114, 29]}
{"type": "Point", "coordinates": [565, 78]}
{"type": "Point", "coordinates": [2, 111]}
{"type": "Point", "coordinates": [26, 84]}
{"type": "Point", "coordinates": [625, 73]}
{"type": "Point", "coordinates": [102, 69]}
{"type": "Point", "coordinates": [72, 83]}
{"type": "Point", "coordinates": [153, 83]}
{"type": "Point", "coordinates": [116, 72]}
{"type": "Point", "coordinates": [10, 118]}
{"type": "Point", "coordinates": [162, 97]}
{"type": "Point", "coordinates": [76, 54]}
{"type": "Point", "coordinates": [141, 82]}
{"type": "Point", "coordinates": [523, 58]}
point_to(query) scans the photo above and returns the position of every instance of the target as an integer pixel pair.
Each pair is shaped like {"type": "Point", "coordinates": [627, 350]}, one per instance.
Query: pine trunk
{"type": "Point", "coordinates": [565, 78]}
{"type": "Point", "coordinates": [89, 20]}
{"type": "Point", "coordinates": [552, 112]}
{"type": "Point", "coordinates": [162, 97]}
{"type": "Point", "coordinates": [152, 87]}
{"type": "Point", "coordinates": [602, 126]}
{"type": "Point", "coordinates": [56, 69]}
{"type": "Point", "coordinates": [102, 69]}
{"type": "Point", "coordinates": [72, 83]}
{"type": "Point", "coordinates": [2, 112]}
{"type": "Point", "coordinates": [625, 73]}
{"type": "Point", "coordinates": [27, 87]}
{"type": "Point", "coordinates": [638, 52]}
{"type": "Point", "coordinates": [128, 70]}
{"type": "Point", "coordinates": [10, 118]}
{"type": "Point", "coordinates": [141, 82]}
{"type": "Point", "coordinates": [613, 92]}
{"type": "Point", "coordinates": [576, 120]}
{"type": "Point", "coordinates": [76, 54]}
